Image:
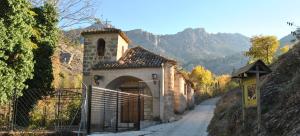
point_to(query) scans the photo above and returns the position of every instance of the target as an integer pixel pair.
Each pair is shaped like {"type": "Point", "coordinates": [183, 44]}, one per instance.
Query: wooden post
{"type": "Point", "coordinates": [89, 95]}
{"type": "Point", "coordinates": [243, 102]}
{"type": "Point", "coordinates": [139, 107]}
{"type": "Point", "coordinates": [104, 106]}
{"type": "Point", "coordinates": [117, 112]}
{"type": "Point", "coordinates": [258, 99]}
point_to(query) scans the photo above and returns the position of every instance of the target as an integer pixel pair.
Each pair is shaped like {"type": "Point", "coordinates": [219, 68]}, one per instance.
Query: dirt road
{"type": "Point", "coordinates": [193, 123]}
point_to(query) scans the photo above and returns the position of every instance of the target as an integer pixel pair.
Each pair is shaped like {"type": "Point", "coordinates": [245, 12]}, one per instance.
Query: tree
{"type": "Point", "coordinates": [16, 57]}
{"type": "Point", "coordinates": [222, 81]}
{"type": "Point", "coordinates": [284, 49]}
{"type": "Point", "coordinates": [263, 47]}
{"type": "Point", "coordinates": [46, 29]}
{"type": "Point", "coordinates": [202, 77]}
{"type": "Point", "coordinates": [46, 26]}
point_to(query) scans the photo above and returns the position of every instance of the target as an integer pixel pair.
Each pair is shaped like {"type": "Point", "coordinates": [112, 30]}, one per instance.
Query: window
{"type": "Point", "coordinates": [101, 47]}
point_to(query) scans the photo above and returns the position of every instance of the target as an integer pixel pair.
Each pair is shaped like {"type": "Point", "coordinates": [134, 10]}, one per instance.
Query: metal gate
{"type": "Point", "coordinates": [115, 110]}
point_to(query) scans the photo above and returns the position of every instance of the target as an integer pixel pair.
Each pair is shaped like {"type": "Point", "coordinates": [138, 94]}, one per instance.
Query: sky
{"type": "Point", "coordinates": [248, 17]}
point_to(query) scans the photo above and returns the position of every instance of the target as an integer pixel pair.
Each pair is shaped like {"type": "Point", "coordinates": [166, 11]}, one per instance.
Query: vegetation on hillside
{"type": "Point", "coordinates": [280, 103]}
{"type": "Point", "coordinates": [284, 49]}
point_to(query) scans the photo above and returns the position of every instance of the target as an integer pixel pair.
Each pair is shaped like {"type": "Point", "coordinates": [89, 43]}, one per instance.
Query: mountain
{"type": "Point", "coordinates": [220, 52]}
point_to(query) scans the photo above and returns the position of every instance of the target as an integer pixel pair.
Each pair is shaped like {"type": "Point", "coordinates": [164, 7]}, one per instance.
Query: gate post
{"type": "Point", "coordinates": [139, 107]}
{"type": "Point", "coordinates": [89, 95]}
{"type": "Point", "coordinates": [117, 112]}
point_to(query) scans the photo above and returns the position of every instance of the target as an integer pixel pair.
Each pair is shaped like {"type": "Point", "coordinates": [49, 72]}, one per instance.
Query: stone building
{"type": "Point", "coordinates": [109, 63]}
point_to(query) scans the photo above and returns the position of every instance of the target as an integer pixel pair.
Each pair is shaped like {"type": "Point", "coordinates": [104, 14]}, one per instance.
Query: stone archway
{"type": "Point", "coordinates": [130, 84]}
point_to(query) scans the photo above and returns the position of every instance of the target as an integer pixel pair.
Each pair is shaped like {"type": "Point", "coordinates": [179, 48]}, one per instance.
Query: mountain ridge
{"type": "Point", "coordinates": [194, 43]}
{"type": "Point", "coordinates": [190, 47]}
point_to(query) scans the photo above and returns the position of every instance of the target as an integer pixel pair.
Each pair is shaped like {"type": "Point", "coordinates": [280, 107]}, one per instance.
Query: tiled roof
{"type": "Point", "coordinates": [106, 31]}
{"type": "Point", "coordinates": [137, 57]}
{"type": "Point", "coordinates": [251, 67]}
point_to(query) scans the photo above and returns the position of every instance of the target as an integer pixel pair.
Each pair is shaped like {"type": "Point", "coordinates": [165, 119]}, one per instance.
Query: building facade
{"type": "Point", "coordinates": [109, 63]}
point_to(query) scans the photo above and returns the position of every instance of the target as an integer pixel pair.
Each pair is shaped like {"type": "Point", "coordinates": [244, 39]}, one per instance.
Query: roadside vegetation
{"type": "Point", "coordinates": [280, 95]}
{"type": "Point", "coordinates": [207, 85]}
{"type": "Point", "coordinates": [30, 71]}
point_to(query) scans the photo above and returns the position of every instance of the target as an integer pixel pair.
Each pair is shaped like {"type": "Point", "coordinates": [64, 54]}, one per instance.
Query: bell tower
{"type": "Point", "coordinates": [104, 45]}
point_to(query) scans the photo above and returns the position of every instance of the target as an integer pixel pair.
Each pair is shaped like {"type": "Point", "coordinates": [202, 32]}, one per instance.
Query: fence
{"type": "Point", "coordinates": [57, 112]}
{"type": "Point", "coordinates": [116, 110]}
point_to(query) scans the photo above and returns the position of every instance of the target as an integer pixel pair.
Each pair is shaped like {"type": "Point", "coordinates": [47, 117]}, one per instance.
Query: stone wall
{"type": "Point", "coordinates": [169, 72]}
{"type": "Point", "coordinates": [180, 98]}
{"type": "Point", "coordinates": [113, 49]}
{"type": "Point", "coordinates": [190, 97]}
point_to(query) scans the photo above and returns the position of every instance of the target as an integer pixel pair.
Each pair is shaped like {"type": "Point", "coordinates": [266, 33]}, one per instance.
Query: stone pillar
{"type": "Point", "coordinates": [169, 92]}
{"type": "Point", "coordinates": [161, 93]}
{"type": "Point", "coordinates": [180, 101]}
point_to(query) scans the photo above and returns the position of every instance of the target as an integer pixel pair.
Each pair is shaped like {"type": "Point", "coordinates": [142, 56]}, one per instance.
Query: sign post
{"type": "Point", "coordinates": [249, 76]}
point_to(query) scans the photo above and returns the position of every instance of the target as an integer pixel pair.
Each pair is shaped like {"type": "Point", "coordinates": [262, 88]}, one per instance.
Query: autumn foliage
{"type": "Point", "coordinates": [263, 48]}
{"type": "Point", "coordinates": [208, 85]}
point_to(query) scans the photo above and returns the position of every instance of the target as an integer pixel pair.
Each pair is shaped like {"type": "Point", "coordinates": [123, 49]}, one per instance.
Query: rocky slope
{"type": "Point", "coordinates": [280, 103]}
{"type": "Point", "coordinates": [193, 47]}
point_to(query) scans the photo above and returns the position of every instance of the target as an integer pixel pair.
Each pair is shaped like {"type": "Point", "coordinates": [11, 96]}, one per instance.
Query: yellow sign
{"type": "Point", "coordinates": [249, 91]}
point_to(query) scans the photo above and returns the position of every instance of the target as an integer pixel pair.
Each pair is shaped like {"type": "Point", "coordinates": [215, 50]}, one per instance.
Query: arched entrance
{"type": "Point", "coordinates": [129, 110]}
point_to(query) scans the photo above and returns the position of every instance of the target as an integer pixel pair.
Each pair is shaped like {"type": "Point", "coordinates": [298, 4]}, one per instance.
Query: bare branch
{"type": "Point", "coordinates": [75, 12]}
{"type": "Point", "coordinates": [71, 12]}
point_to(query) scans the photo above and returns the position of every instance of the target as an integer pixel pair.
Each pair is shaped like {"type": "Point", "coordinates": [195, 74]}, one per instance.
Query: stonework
{"type": "Point", "coordinates": [113, 49]}
{"type": "Point", "coordinates": [180, 100]}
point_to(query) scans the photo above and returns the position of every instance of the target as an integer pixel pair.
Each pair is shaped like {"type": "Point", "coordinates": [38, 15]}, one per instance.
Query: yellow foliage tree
{"type": "Point", "coordinates": [223, 80]}
{"type": "Point", "coordinates": [284, 49]}
{"type": "Point", "coordinates": [201, 77]}
{"type": "Point", "coordinates": [263, 47]}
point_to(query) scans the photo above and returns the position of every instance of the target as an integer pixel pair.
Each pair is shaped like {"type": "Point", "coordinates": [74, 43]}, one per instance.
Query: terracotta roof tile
{"type": "Point", "coordinates": [137, 57]}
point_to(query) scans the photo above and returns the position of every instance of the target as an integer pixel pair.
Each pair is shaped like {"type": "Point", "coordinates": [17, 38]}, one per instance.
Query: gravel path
{"type": "Point", "coordinates": [194, 123]}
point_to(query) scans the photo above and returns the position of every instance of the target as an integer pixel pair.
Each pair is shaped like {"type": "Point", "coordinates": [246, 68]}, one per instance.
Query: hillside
{"type": "Point", "coordinates": [286, 40]}
{"type": "Point", "coordinates": [280, 103]}
{"type": "Point", "coordinates": [219, 52]}
{"type": "Point", "coordinates": [193, 47]}
{"type": "Point", "coordinates": [67, 65]}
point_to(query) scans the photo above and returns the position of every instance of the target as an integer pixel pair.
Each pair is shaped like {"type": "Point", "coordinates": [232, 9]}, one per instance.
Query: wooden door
{"type": "Point", "coordinates": [129, 107]}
